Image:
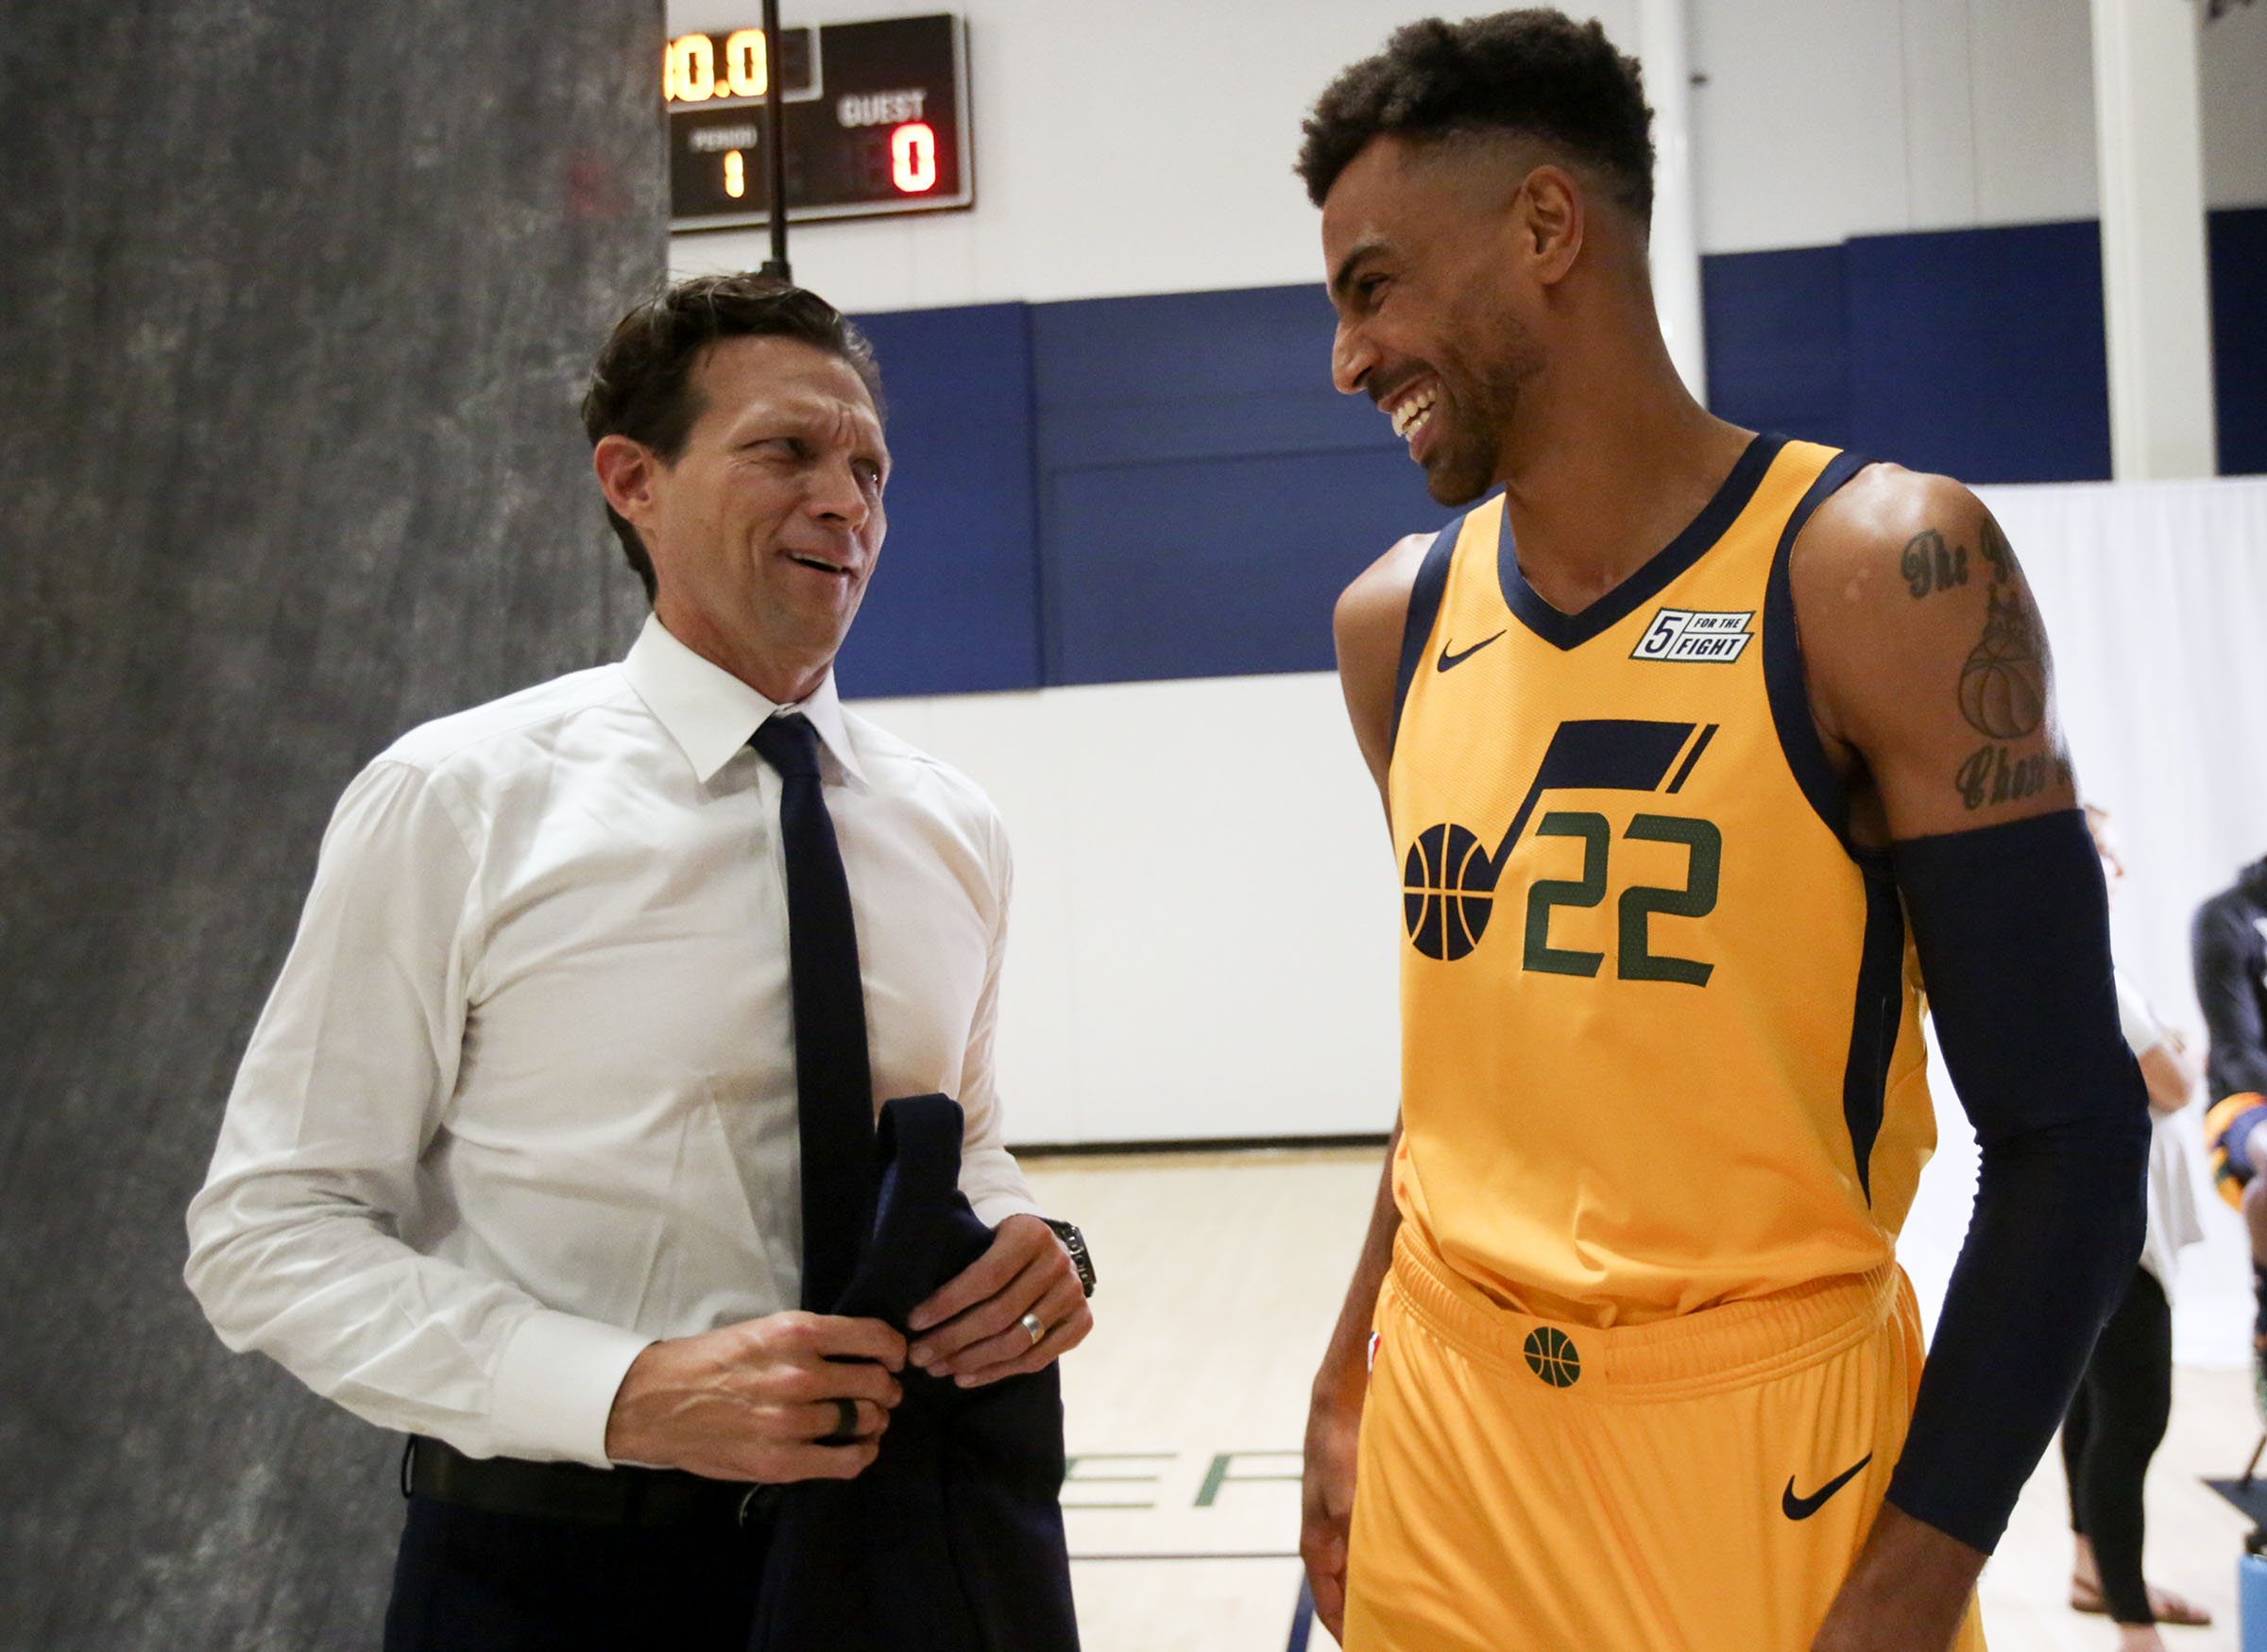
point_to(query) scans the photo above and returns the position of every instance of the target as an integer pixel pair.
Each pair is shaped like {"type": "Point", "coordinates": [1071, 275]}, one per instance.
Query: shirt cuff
{"type": "Point", "coordinates": [994, 1208]}
{"type": "Point", "coordinates": [554, 1387]}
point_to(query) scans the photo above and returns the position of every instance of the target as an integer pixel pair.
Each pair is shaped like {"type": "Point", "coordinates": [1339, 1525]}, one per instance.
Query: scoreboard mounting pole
{"type": "Point", "coordinates": [775, 146]}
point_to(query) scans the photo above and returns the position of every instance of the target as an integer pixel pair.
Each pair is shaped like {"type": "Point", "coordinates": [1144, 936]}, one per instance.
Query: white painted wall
{"type": "Point", "coordinates": [1871, 117]}
{"type": "Point", "coordinates": [1880, 116]}
{"type": "Point", "coordinates": [1206, 921]}
{"type": "Point", "coordinates": [2233, 72]}
{"type": "Point", "coordinates": [1119, 149]}
{"type": "Point", "coordinates": [1124, 149]}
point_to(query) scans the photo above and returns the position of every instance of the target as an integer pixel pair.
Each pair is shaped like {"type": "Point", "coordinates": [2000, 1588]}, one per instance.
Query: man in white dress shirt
{"type": "Point", "coordinates": [511, 1163]}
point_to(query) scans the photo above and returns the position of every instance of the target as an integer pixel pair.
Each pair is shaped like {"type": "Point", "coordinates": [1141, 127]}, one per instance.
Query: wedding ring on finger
{"type": "Point", "coordinates": [1033, 1327]}
{"type": "Point", "coordinates": [846, 1424]}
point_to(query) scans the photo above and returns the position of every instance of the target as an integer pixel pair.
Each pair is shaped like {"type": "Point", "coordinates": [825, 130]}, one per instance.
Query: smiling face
{"type": "Point", "coordinates": [1434, 287]}
{"type": "Point", "coordinates": [764, 530]}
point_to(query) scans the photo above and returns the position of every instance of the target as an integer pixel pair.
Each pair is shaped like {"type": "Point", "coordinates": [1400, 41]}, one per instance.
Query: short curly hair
{"type": "Point", "coordinates": [641, 386]}
{"type": "Point", "coordinates": [1537, 72]}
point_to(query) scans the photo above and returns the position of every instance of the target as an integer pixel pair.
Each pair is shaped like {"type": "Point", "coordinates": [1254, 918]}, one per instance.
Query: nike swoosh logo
{"type": "Point", "coordinates": [1795, 1507]}
{"type": "Point", "coordinates": [1449, 659]}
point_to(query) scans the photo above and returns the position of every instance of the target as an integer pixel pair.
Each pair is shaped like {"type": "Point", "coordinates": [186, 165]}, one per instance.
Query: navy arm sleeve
{"type": "Point", "coordinates": [2012, 925]}
{"type": "Point", "coordinates": [2226, 960]}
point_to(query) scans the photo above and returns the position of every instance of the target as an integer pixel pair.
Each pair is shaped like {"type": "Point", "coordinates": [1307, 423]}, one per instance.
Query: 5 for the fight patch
{"type": "Point", "coordinates": [1695, 636]}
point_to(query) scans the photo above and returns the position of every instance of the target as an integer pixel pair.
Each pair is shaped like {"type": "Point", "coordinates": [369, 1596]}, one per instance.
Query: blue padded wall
{"type": "Point", "coordinates": [1980, 352]}
{"type": "Point", "coordinates": [2238, 243]}
{"type": "Point", "coordinates": [1204, 493]}
{"type": "Point", "coordinates": [1125, 489]}
{"type": "Point", "coordinates": [1778, 329]}
{"type": "Point", "coordinates": [954, 605]}
{"type": "Point", "coordinates": [1975, 351]}
{"type": "Point", "coordinates": [1210, 568]}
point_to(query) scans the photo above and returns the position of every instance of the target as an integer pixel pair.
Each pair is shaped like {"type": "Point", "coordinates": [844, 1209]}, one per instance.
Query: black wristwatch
{"type": "Point", "coordinates": [1075, 1242]}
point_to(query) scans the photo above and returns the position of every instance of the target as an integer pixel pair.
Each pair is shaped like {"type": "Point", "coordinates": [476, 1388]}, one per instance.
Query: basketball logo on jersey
{"type": "Point", "coordinates": [1449, 878]}
{"type": "Point", "coordinates": [1551, 1356]}
{"type": "Point", "coordinates": [1705, 635]}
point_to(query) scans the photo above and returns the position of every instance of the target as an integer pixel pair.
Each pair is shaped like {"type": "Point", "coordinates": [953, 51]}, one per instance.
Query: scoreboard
{"type": "Point", "coordinates": [873, 119]}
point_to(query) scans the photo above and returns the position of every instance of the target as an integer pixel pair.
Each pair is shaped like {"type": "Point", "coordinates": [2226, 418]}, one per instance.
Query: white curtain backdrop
{"type": "Point", "coordinates": [2154, 597]}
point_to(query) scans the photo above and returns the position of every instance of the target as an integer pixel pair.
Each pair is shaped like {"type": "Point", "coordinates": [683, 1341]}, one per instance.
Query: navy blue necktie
{"type": "Point", "coordinates": [834, 1088]}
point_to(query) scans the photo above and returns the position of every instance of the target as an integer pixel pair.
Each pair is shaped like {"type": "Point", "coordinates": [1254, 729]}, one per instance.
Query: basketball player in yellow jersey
{"type": "Point", "coordinates": [1703, 753]}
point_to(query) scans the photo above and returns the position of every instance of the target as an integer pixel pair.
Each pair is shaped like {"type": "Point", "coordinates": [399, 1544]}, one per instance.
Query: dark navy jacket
{"type": "Point", "coordinates": [952, 1540]}
{"type": "Point", "coordinates": [2230, 938]}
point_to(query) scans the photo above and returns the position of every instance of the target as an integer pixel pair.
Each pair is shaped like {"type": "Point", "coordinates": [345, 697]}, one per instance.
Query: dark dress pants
{"type": "Point", "coordinates": [2113, 1427]}
{"type": "Point", "coordinates": [467, 1580]}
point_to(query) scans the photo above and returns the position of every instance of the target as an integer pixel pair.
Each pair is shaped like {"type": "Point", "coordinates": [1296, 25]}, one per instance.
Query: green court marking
{"type": "Point", "coordinates": [1072, 1478]}
{"type": "Point", "coordinates": [1220, 1475]}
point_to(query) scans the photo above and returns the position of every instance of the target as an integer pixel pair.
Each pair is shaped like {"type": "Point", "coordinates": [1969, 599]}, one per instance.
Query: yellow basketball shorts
{"type": "Point", "coordinates": [1700, 1483]}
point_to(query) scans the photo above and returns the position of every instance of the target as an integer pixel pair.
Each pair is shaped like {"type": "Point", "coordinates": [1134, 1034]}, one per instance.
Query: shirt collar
{"type": "Point", "coordinates": [710, 713]}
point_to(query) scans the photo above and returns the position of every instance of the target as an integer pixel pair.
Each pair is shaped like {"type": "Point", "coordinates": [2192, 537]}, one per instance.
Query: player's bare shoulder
{"type": "Point", "coordinates": [1367, 624]}
{"type": "Point", "coordinates": [1927, 665]}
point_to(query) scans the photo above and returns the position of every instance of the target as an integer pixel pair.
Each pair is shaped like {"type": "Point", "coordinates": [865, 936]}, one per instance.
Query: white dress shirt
{"type": "Point", "coordinates": [523, 1097]}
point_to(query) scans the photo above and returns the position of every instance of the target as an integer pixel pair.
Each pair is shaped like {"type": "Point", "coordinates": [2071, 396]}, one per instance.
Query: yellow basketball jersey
{"type": "Point", "coordinates": [1660, 1040]}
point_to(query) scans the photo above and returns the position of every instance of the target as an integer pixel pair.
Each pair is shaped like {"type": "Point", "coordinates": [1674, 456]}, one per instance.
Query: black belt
{"type": "Point", "coordinates": [642, 1498]}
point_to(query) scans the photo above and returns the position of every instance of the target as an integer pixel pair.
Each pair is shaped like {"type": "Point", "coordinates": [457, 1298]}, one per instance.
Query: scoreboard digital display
{"type": "Point", "coordinates": [874, 120]}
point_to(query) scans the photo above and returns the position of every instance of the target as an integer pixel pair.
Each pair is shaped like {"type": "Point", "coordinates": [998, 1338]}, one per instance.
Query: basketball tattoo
{"type": "Point", "coordinates": [2004, 680]}
{"type": "Point", "coordinates": [2003, 685]}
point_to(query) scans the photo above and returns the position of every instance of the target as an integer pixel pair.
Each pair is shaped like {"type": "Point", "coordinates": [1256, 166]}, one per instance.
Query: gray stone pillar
{"type": "Point", "coordinates": [295, 301]}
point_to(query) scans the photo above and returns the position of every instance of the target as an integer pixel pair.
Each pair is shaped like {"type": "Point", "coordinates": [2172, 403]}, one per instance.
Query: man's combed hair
{"type": "Point", "coordinates": [1536, 73]}
{"type": "Point", "coordinates": [642, 386]}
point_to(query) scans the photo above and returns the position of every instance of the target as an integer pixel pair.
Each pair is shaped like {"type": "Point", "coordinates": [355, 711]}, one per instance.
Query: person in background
{"type": "Point", "coordinates": [2117, 1418]}
{"type": "Point", "coordinates": [2229, 946]}
{"type": "Point", "coordinates": [2228, 943]}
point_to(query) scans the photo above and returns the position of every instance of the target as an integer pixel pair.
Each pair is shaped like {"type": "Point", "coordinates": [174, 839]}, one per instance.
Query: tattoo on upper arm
{"type": "Point", "coordinates": [2003, 685]}
{"type": "Point", "coordinates": [2003, 690]}
{"type": "Point", "coordinates": [1930, 564]}
{"type": "Point", "coordinates": [1998, 553]}
{"type": "Point", "coordinates": [1988, 776]}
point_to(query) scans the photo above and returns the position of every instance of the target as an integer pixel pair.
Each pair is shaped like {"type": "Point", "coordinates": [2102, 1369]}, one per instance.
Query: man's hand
{"type": "Point", "coordinates": [1908, 1590]}
{"type": "Point", "coordinates": [972, 1330]}
{"type": "Point", "coordinates": [1334, 1415]}
{"type": "Point", "coordinates": [749, 1402]}
{"type": "Point", "coordinates": [1326, 1503]}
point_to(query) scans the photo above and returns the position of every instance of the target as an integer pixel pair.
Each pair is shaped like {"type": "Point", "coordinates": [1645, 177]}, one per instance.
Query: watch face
{"type": "Point", "coordinates": [1075, 1242]}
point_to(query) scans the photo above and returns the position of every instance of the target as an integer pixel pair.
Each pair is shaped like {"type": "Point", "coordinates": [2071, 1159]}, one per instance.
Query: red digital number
{"type": "Point", "coordinates": [914, 157]}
